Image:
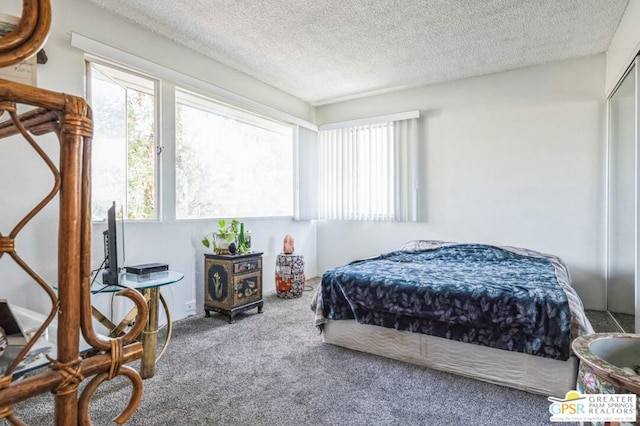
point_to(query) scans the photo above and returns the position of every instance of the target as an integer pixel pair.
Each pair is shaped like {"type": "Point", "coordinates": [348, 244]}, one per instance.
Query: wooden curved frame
{"type": "Point", "coordinates": [69, 118]}
{"type": "Point", "coordinates": [29, 35]}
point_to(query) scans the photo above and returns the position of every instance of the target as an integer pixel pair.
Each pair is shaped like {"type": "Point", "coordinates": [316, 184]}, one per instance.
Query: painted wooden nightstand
{"type": "Point", "coordinates": [233, 283]}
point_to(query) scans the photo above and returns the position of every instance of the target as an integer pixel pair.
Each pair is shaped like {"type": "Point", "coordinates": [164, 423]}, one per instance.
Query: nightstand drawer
{"type": "Point", "coordinates": [247, 265]}
{"type": "Point", "coordinates": [247, 288]}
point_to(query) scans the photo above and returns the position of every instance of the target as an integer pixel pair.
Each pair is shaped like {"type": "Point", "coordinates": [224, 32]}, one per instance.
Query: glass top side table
{"type": "Point", "coordinates": [150, 289]}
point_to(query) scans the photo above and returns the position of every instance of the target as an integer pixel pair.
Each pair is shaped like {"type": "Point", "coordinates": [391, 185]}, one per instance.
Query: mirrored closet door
{"type": "Point", "coordinates": [623, 290]}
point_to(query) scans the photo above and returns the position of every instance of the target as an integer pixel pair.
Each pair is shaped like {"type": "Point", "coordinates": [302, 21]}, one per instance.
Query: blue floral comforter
{"type": "Point", "coordinates": [505, 298]}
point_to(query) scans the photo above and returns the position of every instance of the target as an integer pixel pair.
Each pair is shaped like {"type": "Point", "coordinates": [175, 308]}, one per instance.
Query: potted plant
{"type": "Point", "coordinates": [228, 233]}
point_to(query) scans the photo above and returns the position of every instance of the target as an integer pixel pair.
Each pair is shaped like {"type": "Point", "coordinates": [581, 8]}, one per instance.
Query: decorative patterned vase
{"type": "Point", "coordinates": [290, 276]}
{"type": "Point", "coordinates": [602, 359]}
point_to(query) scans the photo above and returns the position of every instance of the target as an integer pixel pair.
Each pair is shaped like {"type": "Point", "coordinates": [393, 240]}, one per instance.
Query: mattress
{"type": "Point", "coordinates": [526, 372]}
{"type": "Point", "coordinates": [500, 297]}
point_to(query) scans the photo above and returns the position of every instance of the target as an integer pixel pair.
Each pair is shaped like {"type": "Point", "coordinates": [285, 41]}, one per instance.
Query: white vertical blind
{"type": "Point", "coordinates": [355, 171]}
{"type": "Point", "coordinates": [359, 170]}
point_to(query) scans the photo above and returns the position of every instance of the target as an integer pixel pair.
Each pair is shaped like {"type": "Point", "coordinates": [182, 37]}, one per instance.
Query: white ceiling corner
{"type": "Point", "coordinates": [332, 50]}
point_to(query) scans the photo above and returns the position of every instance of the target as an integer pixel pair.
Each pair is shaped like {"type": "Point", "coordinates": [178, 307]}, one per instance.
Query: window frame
{"type": "Point", "coordinates": [169, 77]}
{"type": "Point", "coordinates": [209, 103]}
{"type": "Point", "coordinates": [157, 128]}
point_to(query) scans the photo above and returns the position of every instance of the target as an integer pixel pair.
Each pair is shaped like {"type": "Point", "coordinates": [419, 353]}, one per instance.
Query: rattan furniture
{"type": "Point", "coordinates": [69, 118]}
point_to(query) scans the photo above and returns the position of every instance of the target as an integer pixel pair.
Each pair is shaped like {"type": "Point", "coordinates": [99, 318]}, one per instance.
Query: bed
{"type": "Point", "coordinates": [505, 315]}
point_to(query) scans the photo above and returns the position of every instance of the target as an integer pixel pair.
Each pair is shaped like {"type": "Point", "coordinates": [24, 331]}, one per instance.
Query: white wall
{"type": "Point", "coordinates": [174, 242]}
{"type": "Point", "coordinates": [515, 158]}
{"type": "Point", "coordinates": [178, 244]}
{"type": "Point", "coordinates": [624, 46]}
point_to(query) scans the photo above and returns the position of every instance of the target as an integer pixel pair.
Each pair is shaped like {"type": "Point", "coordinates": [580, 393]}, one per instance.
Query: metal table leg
{"type": "Point", "coordinates": [150, 336]}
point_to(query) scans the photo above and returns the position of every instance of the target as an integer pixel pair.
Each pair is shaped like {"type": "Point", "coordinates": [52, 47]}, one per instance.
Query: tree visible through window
{"type": "Point", "coordinates": [230, 163]}
{"type": "Point", "coordinates": [124, 147]}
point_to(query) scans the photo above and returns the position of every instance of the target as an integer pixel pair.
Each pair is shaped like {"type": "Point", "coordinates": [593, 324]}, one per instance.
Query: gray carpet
{"type": "Point", "coordinates": [626, 321]}
{"type": "Point", "coordinates": [611, 322]}
{"type": "Point", "coordinates": [273, 369]}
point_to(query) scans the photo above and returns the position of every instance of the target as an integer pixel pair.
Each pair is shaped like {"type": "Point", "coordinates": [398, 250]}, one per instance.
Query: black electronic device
{"type": "Point", "coordinates": [147, 271]}
{"type": "Point", "coordinates": [110, 274]}
{"type": "Point", "coordinates": [147, 268]}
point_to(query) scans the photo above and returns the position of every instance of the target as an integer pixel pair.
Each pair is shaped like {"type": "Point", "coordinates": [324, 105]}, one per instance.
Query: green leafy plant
{"type": "Point", "coordinates": [230, 231]}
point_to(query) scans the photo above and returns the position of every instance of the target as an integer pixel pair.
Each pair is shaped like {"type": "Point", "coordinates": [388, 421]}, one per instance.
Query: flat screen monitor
{"type": "Point", "coordinates": [110, 274]}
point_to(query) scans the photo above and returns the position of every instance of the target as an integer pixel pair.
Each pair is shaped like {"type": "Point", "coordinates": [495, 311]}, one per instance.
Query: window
{"type": "Point", "coordinates": [229, 162]}
{"type": "Point", "coordinates": [368, 172]}
{"type": "Point", "coordinates": [124, 167]}
{"type": "Point", "coordinates": [355, 169]}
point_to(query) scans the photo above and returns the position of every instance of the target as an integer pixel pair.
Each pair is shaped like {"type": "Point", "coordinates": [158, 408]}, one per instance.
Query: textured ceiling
{"type": "Point", "coordinates": [323, 51]}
